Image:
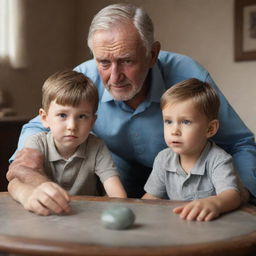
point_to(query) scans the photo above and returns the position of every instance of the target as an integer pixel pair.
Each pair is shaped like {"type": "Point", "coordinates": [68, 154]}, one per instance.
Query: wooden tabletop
{"type": "Point", "coordinates": [81, 233]}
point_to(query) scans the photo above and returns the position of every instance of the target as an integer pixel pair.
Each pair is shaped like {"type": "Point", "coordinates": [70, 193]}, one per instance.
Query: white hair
{"type": "Point", "coordinates": [122, 13]}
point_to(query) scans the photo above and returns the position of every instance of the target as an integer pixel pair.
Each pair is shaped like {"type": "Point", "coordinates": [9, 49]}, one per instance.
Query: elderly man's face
{"type": "Point", "coordinates": [122, 61]}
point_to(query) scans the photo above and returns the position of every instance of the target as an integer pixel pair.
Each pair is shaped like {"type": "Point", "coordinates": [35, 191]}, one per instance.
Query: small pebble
{"type": "Point", "coordinates": [117, 217]}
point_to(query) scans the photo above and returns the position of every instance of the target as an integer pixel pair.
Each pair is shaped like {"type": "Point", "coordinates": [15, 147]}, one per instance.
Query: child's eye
{"type": "Point", "coordinates": [62, 115]}
{"type": "Point", "coordinates": [187, 122]}
{"type": "Point", "coordinates": [167, 121]}
{"type": "Point", "coordinates": [83, 116]}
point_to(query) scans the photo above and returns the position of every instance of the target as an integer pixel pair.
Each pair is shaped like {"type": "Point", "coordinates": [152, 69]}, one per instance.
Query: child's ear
{"type": "Point", "coordinates": [43, 116]}
{"type": "Point", "coordinates": [212, 128]}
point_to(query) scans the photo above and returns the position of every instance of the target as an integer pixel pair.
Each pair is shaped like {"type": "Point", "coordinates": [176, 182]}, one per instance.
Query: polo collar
{"type": "Point", "coordinates": [54, 154]}
{"type": "Point", "coordinates": [173, 165]}
{"type": "Point", "coordinates": [199, 168]}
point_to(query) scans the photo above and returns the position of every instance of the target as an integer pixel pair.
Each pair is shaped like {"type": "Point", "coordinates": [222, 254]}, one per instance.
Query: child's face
{"type": "Point", "coordinates": [185, 128]}
{"type": "Point", "coordinates": [70, 126]}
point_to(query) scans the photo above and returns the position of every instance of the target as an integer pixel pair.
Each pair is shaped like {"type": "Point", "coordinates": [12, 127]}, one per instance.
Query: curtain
{"type": "Point", "coordinates": [12, 33]}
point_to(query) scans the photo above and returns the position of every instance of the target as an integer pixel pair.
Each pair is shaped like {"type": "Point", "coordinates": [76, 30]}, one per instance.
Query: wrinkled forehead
{"type": "Point", "coordinates": [122, 41]}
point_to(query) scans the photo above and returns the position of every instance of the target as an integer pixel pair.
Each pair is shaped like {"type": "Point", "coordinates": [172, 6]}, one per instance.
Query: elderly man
{"type": "Point", "coordinates": [131, 73]}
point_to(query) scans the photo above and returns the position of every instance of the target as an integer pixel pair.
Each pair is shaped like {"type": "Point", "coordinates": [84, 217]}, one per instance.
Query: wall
{"type": "Point", "coordinates": [202, 29]}
{"type": "Point", "coordinates": [51, 43]}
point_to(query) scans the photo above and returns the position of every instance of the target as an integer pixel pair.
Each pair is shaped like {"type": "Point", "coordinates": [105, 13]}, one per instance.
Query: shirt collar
{"type": "Point", "coordinates": [157, 86]}
{"type": "Point", "coordinates": [54, 154]}
{"type": "Point", "coordinates": [173, 164]}
{"type": "Point", "coordinates": [199, 168]}
{"type": "Point", "coordinates": [106, 96]}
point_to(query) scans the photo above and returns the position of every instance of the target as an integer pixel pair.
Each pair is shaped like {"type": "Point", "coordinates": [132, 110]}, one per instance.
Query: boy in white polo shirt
{"type": "Point", "coordinates": [73, 158]}
{"type": "Point", "coordinates": [193, 168]}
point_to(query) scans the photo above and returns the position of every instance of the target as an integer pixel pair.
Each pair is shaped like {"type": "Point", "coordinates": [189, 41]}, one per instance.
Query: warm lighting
{"type": "Point", "coordinates": [4, 5]}
{"type": "Point", "coordinates": [12, 36]}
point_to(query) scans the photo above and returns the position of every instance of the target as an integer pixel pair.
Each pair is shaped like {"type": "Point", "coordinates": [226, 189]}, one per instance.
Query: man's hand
{"type": "Point", "coordinates": [46, 199]}
{"type": "Point", "coordinates": [27, 167]}
{"type": "Point", "coordinates": [202, 210]}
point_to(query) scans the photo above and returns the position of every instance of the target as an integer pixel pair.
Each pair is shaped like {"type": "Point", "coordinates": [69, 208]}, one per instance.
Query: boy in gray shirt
{"type": "Point", "coordinates": [73, 158]}
{"type": "Point", "coordinates": [193, 168]}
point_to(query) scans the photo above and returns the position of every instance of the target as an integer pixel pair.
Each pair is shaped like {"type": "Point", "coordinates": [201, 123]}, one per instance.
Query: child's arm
{"type": "Point", "coordinates": [114, 187]}
{"type": "Point", "coordinates": [43, 199]}
{"type": "Point", "coordinates": [149, 196]}
{"type": "Point", "coordinates": [209, 208]}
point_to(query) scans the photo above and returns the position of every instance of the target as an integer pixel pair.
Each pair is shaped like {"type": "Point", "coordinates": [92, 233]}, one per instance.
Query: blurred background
{"type": "Point", "coordinates": [38, 38]}
{"type": "Point", "coordinates": [51, 35]}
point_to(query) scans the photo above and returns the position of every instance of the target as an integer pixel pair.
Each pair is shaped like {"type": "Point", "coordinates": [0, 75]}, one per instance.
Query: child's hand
{"type": "Point", "coordinates": [47, 198]}
{"type": "Point", "coordinates": [202, 210]}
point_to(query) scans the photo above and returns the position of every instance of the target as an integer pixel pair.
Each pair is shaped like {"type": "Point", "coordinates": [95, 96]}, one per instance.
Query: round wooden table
{"type": "Point", "coordinates": [157, 231]}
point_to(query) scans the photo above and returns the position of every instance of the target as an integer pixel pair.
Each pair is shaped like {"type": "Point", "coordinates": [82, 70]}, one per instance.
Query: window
{"type": "Point", "coordinates": [12, 36]}
{"type": "Point", "coordinates": [3, 29]}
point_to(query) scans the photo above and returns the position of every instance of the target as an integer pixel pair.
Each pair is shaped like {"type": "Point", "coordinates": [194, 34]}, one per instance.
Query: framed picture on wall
{"type": "Point", "coordinates": [245, 30]}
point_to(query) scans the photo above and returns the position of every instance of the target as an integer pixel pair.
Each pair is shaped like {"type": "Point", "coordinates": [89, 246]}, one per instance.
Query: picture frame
{"type": "Point", "coordinates": [245, 30]}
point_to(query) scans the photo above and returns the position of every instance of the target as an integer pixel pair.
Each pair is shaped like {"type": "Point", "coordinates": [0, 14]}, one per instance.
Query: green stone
{"type": "Point", "coordinates": [117, 217]}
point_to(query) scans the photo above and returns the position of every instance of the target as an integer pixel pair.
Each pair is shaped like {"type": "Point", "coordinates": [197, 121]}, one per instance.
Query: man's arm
{"type": "Point", "coordinates": [32, 127]}
{"type": "Point", "coordinates": [27, 157]}
{"type": "Point", "coordinates": [234, 137]}
{"type": "Point", "coordinates": [27, 167]}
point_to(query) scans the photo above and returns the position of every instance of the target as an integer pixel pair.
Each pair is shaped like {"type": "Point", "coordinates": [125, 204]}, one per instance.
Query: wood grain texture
{"type": "Point", "coordinates": [79, 233]}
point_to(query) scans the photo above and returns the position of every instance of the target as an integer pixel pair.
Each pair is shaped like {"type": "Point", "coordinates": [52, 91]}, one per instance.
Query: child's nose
{"type": "Point", "coordinates": [71, 124]}
{"type": "Point", "coordinates": [175, 129]}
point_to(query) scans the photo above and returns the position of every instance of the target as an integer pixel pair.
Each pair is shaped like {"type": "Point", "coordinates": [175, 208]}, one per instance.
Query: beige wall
{"type": "Point", "coordinates": [202, 29]}
{"type": "Point", "coordinates": [50, 44]}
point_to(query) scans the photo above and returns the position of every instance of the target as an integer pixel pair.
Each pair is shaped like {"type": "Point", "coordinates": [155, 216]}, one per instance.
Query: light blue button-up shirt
{"type": "Point", "coordinates": [136, 136]}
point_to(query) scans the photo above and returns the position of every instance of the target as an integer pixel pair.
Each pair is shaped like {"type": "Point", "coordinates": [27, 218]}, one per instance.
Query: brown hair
{"type": "Point", "coordinates": [204, 96]}
{"type": "Point", "coordinates": [69, 88]}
